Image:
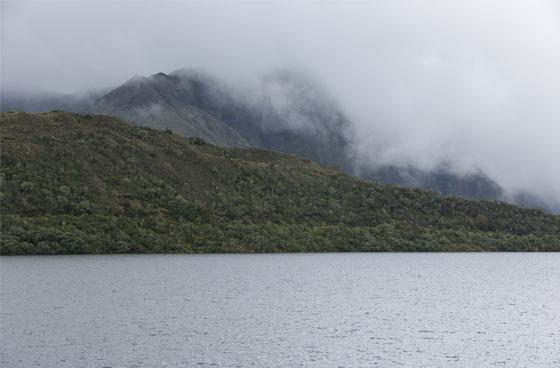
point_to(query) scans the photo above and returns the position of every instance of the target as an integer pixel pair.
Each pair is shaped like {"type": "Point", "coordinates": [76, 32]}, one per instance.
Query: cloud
{"type": "Point", "coordinates": [472, 83]}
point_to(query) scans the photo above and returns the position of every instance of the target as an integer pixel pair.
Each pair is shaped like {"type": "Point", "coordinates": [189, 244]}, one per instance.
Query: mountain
{"type": "Point", "coordinates": [169, 102]}
{"type": "Point", "coordinates": [286, 112]}
{"type": "Point", "coordinates": [289, 113]}
{"type": "Point", "coordinates": [74, 183]}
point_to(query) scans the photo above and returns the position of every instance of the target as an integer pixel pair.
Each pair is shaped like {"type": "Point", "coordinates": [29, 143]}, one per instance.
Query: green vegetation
{"type": "Point", "coordinates": [92, 184]}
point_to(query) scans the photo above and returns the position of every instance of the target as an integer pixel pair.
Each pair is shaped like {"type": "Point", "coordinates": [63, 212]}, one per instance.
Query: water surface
{"type": "Point", "coordinates": [308, 310]}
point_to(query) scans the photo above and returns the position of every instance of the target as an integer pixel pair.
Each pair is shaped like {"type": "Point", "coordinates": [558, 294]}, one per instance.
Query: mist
{"type": "Point", "coordinates": [475, 85]}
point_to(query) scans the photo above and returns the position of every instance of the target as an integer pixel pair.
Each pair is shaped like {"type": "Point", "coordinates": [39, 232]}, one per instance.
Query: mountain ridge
{"type": "Point", "coordinates": [289, 113]}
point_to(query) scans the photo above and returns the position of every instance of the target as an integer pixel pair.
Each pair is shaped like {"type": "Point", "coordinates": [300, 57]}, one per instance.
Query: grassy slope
{"type": "Point", "coordinates": [92, 184]}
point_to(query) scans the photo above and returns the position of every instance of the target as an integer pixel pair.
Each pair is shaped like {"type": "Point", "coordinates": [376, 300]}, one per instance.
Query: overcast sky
{"type": "Point", "coordinates": [476, 83]}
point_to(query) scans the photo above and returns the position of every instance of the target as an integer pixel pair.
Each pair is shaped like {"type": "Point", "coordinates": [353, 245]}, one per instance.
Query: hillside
{"type": "Point", "coordinates": [92, 184]}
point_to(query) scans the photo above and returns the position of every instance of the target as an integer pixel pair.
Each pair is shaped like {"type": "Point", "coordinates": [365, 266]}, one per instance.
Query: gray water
{"type": "Point", "coordinates": [310, 310]}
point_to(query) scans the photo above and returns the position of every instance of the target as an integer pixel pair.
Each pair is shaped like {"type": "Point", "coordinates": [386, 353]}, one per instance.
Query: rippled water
{"type": "Point", "coordinates": [310, 310]}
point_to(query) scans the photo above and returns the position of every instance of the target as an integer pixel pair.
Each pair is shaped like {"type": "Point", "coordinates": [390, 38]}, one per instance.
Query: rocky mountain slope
{"type": "Point", "coordinates": [75, 183]}
{"type": "Point", "coordinates": [289, 116]}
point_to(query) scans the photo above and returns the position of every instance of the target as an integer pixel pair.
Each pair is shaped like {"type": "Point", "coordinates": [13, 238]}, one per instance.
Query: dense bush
{"type": "Point", "coordinates": [92, 184]}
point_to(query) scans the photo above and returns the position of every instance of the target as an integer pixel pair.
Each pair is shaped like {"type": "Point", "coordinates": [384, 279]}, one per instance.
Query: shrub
{"type": "Point", "coordinates": [27, 187]}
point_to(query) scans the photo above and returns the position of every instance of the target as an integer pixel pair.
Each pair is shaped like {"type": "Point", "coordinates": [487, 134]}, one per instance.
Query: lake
{"type": "Point", "coordinates": [290, 310]}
